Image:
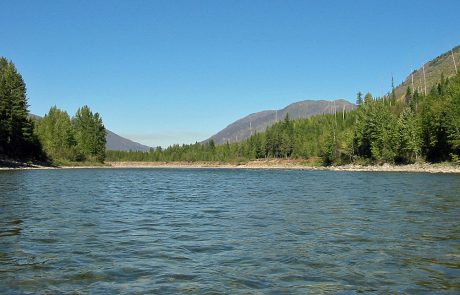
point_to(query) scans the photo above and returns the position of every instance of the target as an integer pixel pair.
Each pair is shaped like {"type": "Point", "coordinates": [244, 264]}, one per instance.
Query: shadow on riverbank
{"type": "Point", "coordinates": [14, 164]}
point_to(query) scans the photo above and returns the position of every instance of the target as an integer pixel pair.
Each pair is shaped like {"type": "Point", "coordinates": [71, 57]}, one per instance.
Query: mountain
{"type": "Point", "coordinates": [258, 122]}
{"type": "Point", "coordinates": [117, 143]}
{"type": "Point", "coordinates": [443, 64]}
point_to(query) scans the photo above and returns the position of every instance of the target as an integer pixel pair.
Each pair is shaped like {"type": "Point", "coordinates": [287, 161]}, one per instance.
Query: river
{"type": "Point", "coordinates": [224, 231]}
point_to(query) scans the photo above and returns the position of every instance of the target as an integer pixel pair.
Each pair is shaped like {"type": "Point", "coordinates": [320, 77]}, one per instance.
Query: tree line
{"type": "Point", "coordinates": [76, 139]}
{"type": "Point", "coordinates": [413, 129]}
{"type": "Point", "coordinates": [55, 138]}
{"type": "Point", "coordinates": [17, 137]}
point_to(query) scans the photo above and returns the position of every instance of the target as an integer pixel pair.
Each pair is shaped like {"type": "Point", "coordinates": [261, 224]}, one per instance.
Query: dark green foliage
{"type": "Point", "coordinates": [409, 140]}
{"type": "Point", "coordinates": [375, 132]}
{"type": "Point", "coordinates": [279, 139]}
{"type": "Point", "coordinates": [17, 139]}
{"type": "Point", "coordinates": [90, 134]}
{"type": "Point", "coordinates": [359, 98]}
{"type": "Point", "coordinates": [54, 136]}
{"type": "Point", "coordinates": [393, 93]}
{"type": "Point", "coordinates": [440, 121]}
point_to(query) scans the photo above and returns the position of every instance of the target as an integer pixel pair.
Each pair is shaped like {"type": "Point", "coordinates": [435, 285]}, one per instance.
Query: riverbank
{"type": "Point", "coordinates": [8, 164]}
{"type": "Point", "coordinates": [256, 164]}
{"type": "Point", "coordinates": [294, 164]}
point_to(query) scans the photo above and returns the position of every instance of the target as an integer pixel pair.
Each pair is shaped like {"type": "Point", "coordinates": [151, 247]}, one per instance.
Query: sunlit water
{"type": "Point", "coordinates": [106, 231]}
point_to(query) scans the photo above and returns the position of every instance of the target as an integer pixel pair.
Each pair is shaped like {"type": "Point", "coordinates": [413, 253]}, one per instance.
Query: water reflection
{"type": "Point", "coordinates": [12, 228]}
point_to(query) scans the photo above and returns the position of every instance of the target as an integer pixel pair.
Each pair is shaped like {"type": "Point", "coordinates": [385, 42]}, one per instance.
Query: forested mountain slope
{"type": "Point", "coordinates": [258, 122]}
{"type": "Point", "coordinates": [441, 65]}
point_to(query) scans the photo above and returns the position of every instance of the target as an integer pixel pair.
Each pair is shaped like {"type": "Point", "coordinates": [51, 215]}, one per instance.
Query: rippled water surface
{"type": "Point", "coordinates": [228, 231]}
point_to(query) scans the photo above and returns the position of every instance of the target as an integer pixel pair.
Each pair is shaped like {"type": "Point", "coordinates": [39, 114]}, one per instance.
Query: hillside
{"type": "Point", "coordinates": [258, 122]}
{"type": "Point", "coordinates": [443, 64]}
{"type": "Point", "coordinates": [117, 143]}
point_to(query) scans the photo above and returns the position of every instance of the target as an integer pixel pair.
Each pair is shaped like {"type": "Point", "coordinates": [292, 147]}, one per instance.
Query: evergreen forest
{"type": "Point", "coordinates": [419, 127]}
{"type": "Point", "coordinates": [54, 139]}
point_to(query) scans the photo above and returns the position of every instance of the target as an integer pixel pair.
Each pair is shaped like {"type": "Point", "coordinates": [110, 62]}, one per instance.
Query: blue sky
{"type": "Point", "coordinates": [164, 72]}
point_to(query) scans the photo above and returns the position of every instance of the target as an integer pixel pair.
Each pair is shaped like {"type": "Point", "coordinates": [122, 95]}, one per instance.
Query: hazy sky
{"type": "Point", "coordinates": [163, 72]}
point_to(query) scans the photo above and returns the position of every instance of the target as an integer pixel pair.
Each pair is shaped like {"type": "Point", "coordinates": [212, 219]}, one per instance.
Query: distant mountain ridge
{"type": "Point", "coordinates": [426, 76]}
{"type": "Point", "coordinates": [258, 122]}
{"type": "Point", "coordinates": [116, 142]}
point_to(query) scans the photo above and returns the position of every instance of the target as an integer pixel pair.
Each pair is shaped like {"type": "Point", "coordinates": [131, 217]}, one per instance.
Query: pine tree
{"type": "Point", "coordinates": [408, 97]}
{"type": "Point", "coordinates": [375, 133]}
{"type": "Point", "coordinates": [57, 135]}
{"type": "Point", "coordinates": [90, 134]}
{"type": "Point", "coordinates": [359, 98]}
{"type": "Point", "coordinates": [17, 138]}
{"type": "Point", "coordinates": [368, 98]}
{"type": "Point", "coordinates": [393, 94]}
{"type": "Point", "coordinates": [452, 93]}
{"type": "Point", "coordinates": [286, 140]}
{"type": "Point", "coordinates": [409, 137]}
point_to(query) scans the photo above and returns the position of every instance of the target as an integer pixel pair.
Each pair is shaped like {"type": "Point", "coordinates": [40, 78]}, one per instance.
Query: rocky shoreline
{"type": "Point", "coordinates": [294, 165]}
{"type": "Point", "coordinates": [258, 164]}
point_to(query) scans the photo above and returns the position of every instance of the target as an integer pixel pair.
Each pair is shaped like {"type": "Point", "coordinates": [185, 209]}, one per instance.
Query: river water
{"type": "Point", "coordinates": [217, 231]}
